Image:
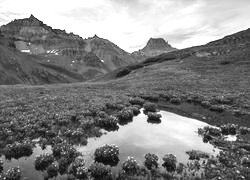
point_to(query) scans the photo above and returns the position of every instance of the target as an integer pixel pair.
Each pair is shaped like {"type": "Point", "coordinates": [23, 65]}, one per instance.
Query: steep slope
{"type": "Point", "coordinates": [70, 51]}
{"type": "Point", "coordinates": [154, 47]}
{"type": "Point", "coordinates": [21, 68]}
{"type": "Point", "coordinates": [108, 52]}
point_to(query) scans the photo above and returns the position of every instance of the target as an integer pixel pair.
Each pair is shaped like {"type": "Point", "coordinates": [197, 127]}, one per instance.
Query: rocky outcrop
{"type": "Point", "coordinates": [154, 47]}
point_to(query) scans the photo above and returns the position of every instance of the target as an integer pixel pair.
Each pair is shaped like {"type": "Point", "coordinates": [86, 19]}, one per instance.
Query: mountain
{"type": "Point", "coordinates": [154, 47]}
{"type": "Point", "coordinates": [87, 57]}
{"type": "Point", "coordinates": [229, 56]}
{"type": "Point", "coordinates": [21, 68]}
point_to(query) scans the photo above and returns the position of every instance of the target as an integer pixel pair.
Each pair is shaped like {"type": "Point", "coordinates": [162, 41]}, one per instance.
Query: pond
{"type": "Point", "coordinates": [175, 134]}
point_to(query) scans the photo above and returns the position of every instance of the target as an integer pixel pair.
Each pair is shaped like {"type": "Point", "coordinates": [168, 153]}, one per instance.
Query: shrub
{"type": "Point", "coordinates": [107, 154]}
{"type": "Point", "coordinates": [169, 162]}
{"type": "Point", "coordinates": [244, 130]}
{"type": "Point", "coordinates": [1, 165]}
{"type": "Point", "coordinates": [196, 155]}
{"type": "Point", "coordinates": [245, 161]}
{"type": "Point", "coordinates": [64, 150]}
{"type": "Point", "coordinates": [180, 168]}
{"type": "Point", "coordinates": [135, 109]}
{"type": "Point", "coordinates": [52, 170]}
{"type": "Point", "coordinates": [137, 101]}
{"type": "Point", "coordinates": [63, 165]}
{"type": "Point", "coordinates": [151, 161]}
{"type": "Point", "coordinates": [107, 123]}
{"type": "Point", "coordinates": [13, 174]}
{"type": "Point", "coordinates": [99, 170]}
{"type": "Point", "coordinates": [125, 115]}
{"type": "Point", "coordinates": [229, 129]}
{"type": "Point", "coordinates": [217, 108]}
{"type": "Point", "coordinates": [130, 166]}
{"type": "Point", "coordinates": [206, 104]}
{"type": "Point", "coordinates": [148, 106]}
{"type": "Point", "coordinates": [18, 150]}
{"type": "Point", "coordinates": [154, 117]}
{"type": "Point", "coordinates": [78, 168]}
{"type": "Point", "coordinates": [43, 161]}
{"type": "Point", "coordinates": [175, 101]}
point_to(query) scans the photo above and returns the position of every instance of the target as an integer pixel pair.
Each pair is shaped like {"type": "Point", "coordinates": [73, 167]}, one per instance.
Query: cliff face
{"type": "Point", "coordinates": [154, 47]}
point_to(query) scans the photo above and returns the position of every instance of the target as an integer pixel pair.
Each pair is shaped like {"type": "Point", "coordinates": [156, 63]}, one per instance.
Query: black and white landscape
{"type": "Point", "coordinates": [130, 90]}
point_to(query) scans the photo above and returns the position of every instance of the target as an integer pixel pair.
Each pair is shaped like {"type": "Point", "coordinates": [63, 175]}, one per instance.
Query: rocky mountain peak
{"type": "Point", "coordinates": [157, 43]}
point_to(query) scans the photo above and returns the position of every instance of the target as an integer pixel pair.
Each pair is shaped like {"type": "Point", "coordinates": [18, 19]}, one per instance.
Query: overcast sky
{"type": "Point", "coordinates": [130, 23]}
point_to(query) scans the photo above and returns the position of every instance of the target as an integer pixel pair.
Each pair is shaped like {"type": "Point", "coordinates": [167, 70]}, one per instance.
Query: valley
{"type": "Point", "coordinates": [51, 108]}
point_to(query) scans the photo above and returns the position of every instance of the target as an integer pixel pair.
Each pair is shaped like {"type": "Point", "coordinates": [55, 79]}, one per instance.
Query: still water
{"type": "Point", "coordinates": [175, 134]}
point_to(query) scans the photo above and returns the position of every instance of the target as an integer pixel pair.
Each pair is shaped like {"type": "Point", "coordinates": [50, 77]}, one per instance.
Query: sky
{"type": "Point", "coordinates": [130, 23]}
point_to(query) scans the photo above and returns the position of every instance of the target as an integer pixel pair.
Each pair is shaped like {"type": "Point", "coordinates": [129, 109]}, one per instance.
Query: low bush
{"type": "Point", "coordinates": [196, 155]}
{"type": "Point", "coordinates": [154, 117]}
{"type": "Point", "coordinates": [150, 107]}
{"type": "Point", "coordinates": [206, 104]}
{"type": "Point", "coordinates": [176, 101]}
{"type": "Point", "coordinates": [63, 165]}
{"type": "Point", "coordinates": [78, 168]}
{"type": "Point", "coordinates": [43, 161]}
{"type": "Point", "coordinates": [229, 129]}
{"type": "Point", "coordinates": [109, 122]}
{"type": "Point", "coordinates": [107, 154]}
{"type": "Point", "coordinates": [137, 101]}
{"type": "Point", "coordinates": [245, 161]}
{"type": "Point", "coordinates": [217, 108]}
{"type": "Point", "coordinates": [169, 162]}
{"type": "Point", "coordinates": [99, 170]}
{"type": "Point", "coordinates": [1, 165]}
{"type": "Point", "coordinates": [13, 174]}
{"type": "Point", "coordinates": [135, 109]}
{"type": "Point", "coordinates": [64, 150]}
{"type": "Point", "coordinates": [130, 166]}
{"type": "Point", "coordinates": [151, 161]}
{"type": "Point", "coordinates": [244, 130]}
{"type": "Point", "coordinates": [125, 115]}
{"type": "Point", "coordinates": [52, 170]}
{"type": "Point", "coordinates": [18, 150]}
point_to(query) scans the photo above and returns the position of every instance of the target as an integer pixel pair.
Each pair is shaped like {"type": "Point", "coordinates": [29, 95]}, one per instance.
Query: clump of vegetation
{"type": "Point", "coordinates": [99, 170]}
{"type": "Point", "coordinates": [151, 161]}
{"type": "Point", "coordinates": [18, 150]}
{"type": "Point", "coordinates": [206, 104]}
{"type": "Point", "coordinates": [63, 165]}
{"type": "Point", "coordinates": [245, 161]}
{"type": "Point", "coordinates": [169, 162]}
{"type": "Point", "coordinates": [196, 155]}
{"type": "Point", "coordinates": [229, 129]}
{"type": "Point", "coordinates": [78, 168]}
{"type": "Point", "coordinates": [13, 174]}
{"type": "Point", "coordinates": [43, 161]}
{"type": "Point", "coordinates": [65, 150]}
{"type": "Point", "coordinates": [137, 101]}
{"type": "Point", "coordinates": [107, 154]}
{"type": "Point", "coordinates": [154, 117]}
{"type": "Point", "coordinates": [52, 170]}
{"type": "Point", "coordinates": [244, 130]}
{"type": "Point", "coordinates": [176, 101]}
{"type": "Point", "coordinates": [130, 166]}
{"type": "Point", "coordinates": [108, 123]}
{"type": "Point", "coordinates": [135, 109]}
{"type": "Point", "coordinates": [217, 108]}
{"type": "Point", "coordinates": [1, 165]}
{"type": "Point", "coordinates": [150, 107]}
{"type": "Point", "coordinates": [125, 115]}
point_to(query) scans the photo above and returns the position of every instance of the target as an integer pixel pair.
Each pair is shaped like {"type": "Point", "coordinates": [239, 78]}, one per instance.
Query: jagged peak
{"type": "Point", "coordinates": [157, 43]}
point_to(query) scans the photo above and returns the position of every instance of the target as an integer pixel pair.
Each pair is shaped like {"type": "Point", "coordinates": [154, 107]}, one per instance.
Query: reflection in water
{"type": "Point", "coordinates": [175, 134]}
